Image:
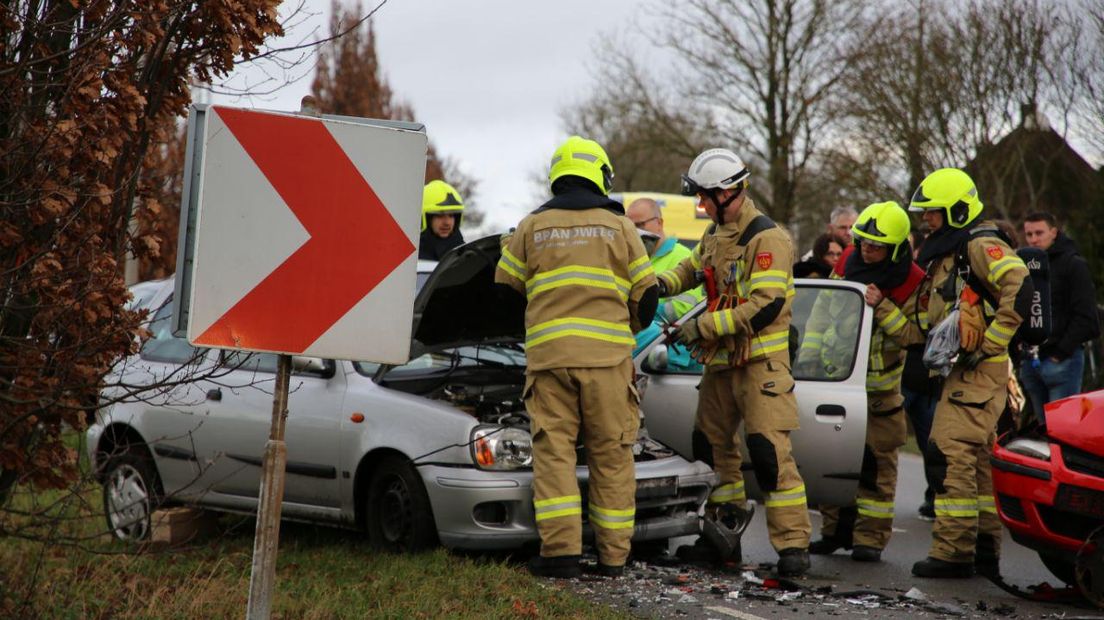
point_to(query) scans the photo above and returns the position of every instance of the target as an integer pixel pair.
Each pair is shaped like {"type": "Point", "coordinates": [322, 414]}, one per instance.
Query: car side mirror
{"type": "Point", "coordinates": [310, 365]}
{"type": "Point", "coordinates": [656, 361]}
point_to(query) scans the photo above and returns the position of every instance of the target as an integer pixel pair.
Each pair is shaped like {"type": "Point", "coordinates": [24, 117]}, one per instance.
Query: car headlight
{"type": "Point", "coordinates": [499, 447]}
{"type": "Point", "coordinates": [1035, 448]}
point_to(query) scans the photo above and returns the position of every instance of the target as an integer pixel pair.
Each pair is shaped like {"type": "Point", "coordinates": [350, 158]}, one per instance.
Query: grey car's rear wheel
{"type": "Point", "coordinates": [131, 492]}
{"type": "Point", "coordinates": [399, 514]}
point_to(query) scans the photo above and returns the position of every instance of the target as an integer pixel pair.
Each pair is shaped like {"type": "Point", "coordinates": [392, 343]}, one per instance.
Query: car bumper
{"type": "Point", "coordinates": [477, 509]}
{"type": "Point", "coordinates": [1045, 505]}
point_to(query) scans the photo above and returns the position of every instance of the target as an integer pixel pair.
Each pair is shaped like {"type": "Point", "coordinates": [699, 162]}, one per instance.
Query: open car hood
{"type": "Point", "coordinates": [1078, 421]}
{"type": "Point", "coordinates": [461, 305]}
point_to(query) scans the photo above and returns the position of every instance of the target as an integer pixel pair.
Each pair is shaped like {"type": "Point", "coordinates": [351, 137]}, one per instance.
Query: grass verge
{"type": "Point", "coordinates": [81, 572]}
{"type": "Point", "coordinates": [321, 573]}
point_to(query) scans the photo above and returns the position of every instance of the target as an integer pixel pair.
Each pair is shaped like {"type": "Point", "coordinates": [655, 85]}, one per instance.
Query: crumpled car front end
{"type": "Point", "coordinates": [1049, 480]}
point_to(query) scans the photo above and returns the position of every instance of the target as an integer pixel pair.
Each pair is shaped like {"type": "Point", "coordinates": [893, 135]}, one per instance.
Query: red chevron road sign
{"type": "Point", "coordinates": [305, 235]}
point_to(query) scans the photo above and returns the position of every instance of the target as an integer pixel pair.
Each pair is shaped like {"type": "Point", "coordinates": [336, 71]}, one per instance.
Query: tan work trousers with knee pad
{"type": "Point", "coordinates": [760, 395]}
{"type": "Point", "coordinates": [602, 404]}
{"type": "Point", "coordinates": [957, 461]}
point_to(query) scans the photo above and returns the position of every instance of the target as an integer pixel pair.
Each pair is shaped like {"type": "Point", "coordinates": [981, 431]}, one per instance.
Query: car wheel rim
{"type": "Point", "coordinates": [396, 512]}
{"type": "Point", "coordinates": [128, 506]}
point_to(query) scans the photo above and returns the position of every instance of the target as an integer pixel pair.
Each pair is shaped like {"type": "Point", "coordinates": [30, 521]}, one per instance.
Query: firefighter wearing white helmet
{"type": "Point", "coordinates": [589, 284]}
{"type": "Point", "coordinates": [973, 269]}
{"type": "Point", "coordinates": [881, 259]}
{"type": "Point", "coordinates": [745, 262]}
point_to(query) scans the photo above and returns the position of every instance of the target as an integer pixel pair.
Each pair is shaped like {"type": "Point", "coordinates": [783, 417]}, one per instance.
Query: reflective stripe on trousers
{"type": "Point", "coordinates": [875, 509]}
{"type": "Point", "coordinates": [731, 492]}
{"type": "Point", "coordinates": [564, 506]}
{"type": "Point", "coordinates": [957, 507]}
{"type": "Point", "coordinates": [786, 497]}
{"type": "Point", "coordinates": [612, 519]}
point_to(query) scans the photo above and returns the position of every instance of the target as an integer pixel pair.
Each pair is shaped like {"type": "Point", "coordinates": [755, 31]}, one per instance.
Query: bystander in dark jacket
{"type": "Point", "coordinates": [1054, 370]}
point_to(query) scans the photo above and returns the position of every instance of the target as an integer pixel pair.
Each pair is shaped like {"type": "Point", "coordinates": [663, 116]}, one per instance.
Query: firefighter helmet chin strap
{"type": "Point", "coordinates": [721, 206]}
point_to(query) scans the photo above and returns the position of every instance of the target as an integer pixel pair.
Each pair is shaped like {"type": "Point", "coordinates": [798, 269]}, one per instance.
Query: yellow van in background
{"type": "Point", "coordinates": [682, 219]}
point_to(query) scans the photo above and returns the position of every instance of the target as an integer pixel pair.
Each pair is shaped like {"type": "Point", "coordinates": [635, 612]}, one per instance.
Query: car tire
{"type": "Point", "coordinates": [400, 518]}
{"type": "Point", "coordinates": [1061, 568]}
{"type": "Point", "coordinates": [131, 492]}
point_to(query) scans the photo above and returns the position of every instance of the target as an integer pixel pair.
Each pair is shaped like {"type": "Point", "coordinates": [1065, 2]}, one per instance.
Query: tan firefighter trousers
{"type": "Point", "coordinates": [761, 395]}
{"type": "Point", "coordinates": [957, 462]}
{"type": "Point", "coordinates": [601, 405]}
{"type": "Point", "coordinates": [886, 432]}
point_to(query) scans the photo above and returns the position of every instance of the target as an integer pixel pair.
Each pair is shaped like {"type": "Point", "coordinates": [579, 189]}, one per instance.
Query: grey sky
{"type": "Point", "coordinates": [486, 77]}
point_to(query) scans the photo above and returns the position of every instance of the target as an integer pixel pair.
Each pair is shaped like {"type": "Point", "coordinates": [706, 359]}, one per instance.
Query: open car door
{"type": "Point", "coordinates": [828, 447]}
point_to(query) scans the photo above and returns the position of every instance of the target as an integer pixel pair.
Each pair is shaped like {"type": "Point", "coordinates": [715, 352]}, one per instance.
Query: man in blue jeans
{"type": "Point", "coordinates": [1054, 370]}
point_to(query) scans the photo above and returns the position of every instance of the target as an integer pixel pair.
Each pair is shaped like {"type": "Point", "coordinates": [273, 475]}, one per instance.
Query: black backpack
{"type": "Point", "coordinates": [1033, 300]}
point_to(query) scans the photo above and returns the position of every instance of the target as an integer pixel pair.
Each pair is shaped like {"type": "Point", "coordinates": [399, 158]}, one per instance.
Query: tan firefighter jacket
{"type": "Point", "coordinates": [580, 270]}
{"type": "Point", "coordinates": [757, 277]}
{"type": "Point", "coordinates": [1002, 272]}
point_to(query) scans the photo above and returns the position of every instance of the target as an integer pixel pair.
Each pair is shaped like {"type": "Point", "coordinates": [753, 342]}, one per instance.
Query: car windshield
{"type": "Point", "coordinates": [498, 355]}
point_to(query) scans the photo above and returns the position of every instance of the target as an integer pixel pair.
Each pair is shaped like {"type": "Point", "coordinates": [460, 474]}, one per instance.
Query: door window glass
{"type": "Point", "coordinates": [162, 346]}
{"type": "Point", "coordinates": [827, 322]}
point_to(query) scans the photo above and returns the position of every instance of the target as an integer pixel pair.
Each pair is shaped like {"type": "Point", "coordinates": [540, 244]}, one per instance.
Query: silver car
{"type": "Point", "coordinates": [828, 447]}
{"type": "Point", "coordinates": [434, 450]}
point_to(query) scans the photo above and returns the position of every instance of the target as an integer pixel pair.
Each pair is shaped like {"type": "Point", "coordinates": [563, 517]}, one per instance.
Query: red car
{"type": "Point", "coordinates": [1049, 485]}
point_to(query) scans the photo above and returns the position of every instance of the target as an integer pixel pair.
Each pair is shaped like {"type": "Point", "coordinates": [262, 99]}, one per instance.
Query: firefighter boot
{"type": "Point", "coordinates": [793, 562]}
{"type": "Point", "coordinates": [605, 570]}
{"type": "Point", "coordinates": [838, 537]}
{"type": "Point", "coordinates": [939, 569]}
{"type": "Point", "coordinates": [560, 566]}
{"type": "Point", "coordinates": [862, 553]}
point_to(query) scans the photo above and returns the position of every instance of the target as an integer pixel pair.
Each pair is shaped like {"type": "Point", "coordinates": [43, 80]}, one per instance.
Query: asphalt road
{"type": "Point", "coordinates": [892, 576]}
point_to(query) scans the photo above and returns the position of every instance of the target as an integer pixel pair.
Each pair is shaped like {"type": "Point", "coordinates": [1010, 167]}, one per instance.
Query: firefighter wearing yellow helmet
{"type": "Point", "coordinates": [745, 262]}
{"type": "Point", "coordinates": [882, 260]}
{"type": "Point", "coordinates": [972, 268]}
{"type": "Point", "coordinates": [442, 210]}
{"type": "Point", "coordinates": [589, 286]}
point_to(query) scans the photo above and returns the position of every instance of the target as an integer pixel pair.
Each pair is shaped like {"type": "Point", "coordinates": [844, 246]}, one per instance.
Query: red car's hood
{"type": "Point", "coordinates": [1078, 421]}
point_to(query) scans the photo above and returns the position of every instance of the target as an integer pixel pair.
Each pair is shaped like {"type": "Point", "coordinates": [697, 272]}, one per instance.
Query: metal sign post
{"type": "Point", "coordinates": [262, 581]}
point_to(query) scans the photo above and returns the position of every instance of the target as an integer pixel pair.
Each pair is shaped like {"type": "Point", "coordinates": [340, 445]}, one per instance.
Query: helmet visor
{"type": "Point", "coordinates": [690, 187]}
{"type": "Point", "coordinates": [870, 230]}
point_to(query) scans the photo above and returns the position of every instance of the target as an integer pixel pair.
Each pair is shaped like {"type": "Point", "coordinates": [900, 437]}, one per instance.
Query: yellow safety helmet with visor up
{"type": "Point", "coordinates": [953, 191]}
{"type": "Point", "coordinates": [584, 158]}
{"type": "Point", "coordinates": [440, 198]}
{"type": "Point", "coordinates": [885, 223]}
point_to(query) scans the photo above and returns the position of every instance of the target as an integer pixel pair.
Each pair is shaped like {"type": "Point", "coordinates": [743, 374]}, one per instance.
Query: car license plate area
{"type": "Point", "coordinates": [657, 487]}
{"type": "Point", "coordinates": [1080, 500]}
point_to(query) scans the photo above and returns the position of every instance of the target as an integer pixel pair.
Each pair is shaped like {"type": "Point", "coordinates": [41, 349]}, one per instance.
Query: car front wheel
{"type": "Point", "coordinates": [400, 518]}
{"type": "Point", "coordinates": [130, 495]}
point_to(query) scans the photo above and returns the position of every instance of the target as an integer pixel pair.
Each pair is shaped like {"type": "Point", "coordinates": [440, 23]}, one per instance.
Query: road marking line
{"type": "Point", "coordinates": [735, 613]}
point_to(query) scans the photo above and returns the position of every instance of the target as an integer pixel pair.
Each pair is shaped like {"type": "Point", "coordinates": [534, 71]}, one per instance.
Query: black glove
{"type": "Point", "coordinates": [662, 288]}
{"type": "Point", "coordinates": [972, 359]}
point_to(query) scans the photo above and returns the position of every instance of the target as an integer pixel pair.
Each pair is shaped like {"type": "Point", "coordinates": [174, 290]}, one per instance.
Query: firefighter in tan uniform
{"type": "Point", "coordinates": [973, 268]}
{"type": "Point", "coordinates": [882, 259]}
{"type": "Point", "coordinates": [589, 286]}
{"type": "Point", "coordinates": [745, 263]}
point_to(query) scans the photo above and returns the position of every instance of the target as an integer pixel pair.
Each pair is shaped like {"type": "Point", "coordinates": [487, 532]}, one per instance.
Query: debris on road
{"type": "Point", "coordinates": [666, 588]}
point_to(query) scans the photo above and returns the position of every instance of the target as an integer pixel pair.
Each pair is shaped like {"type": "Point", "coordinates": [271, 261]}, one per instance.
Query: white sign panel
{"type": "Point", "coordinates": [304, 235]}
